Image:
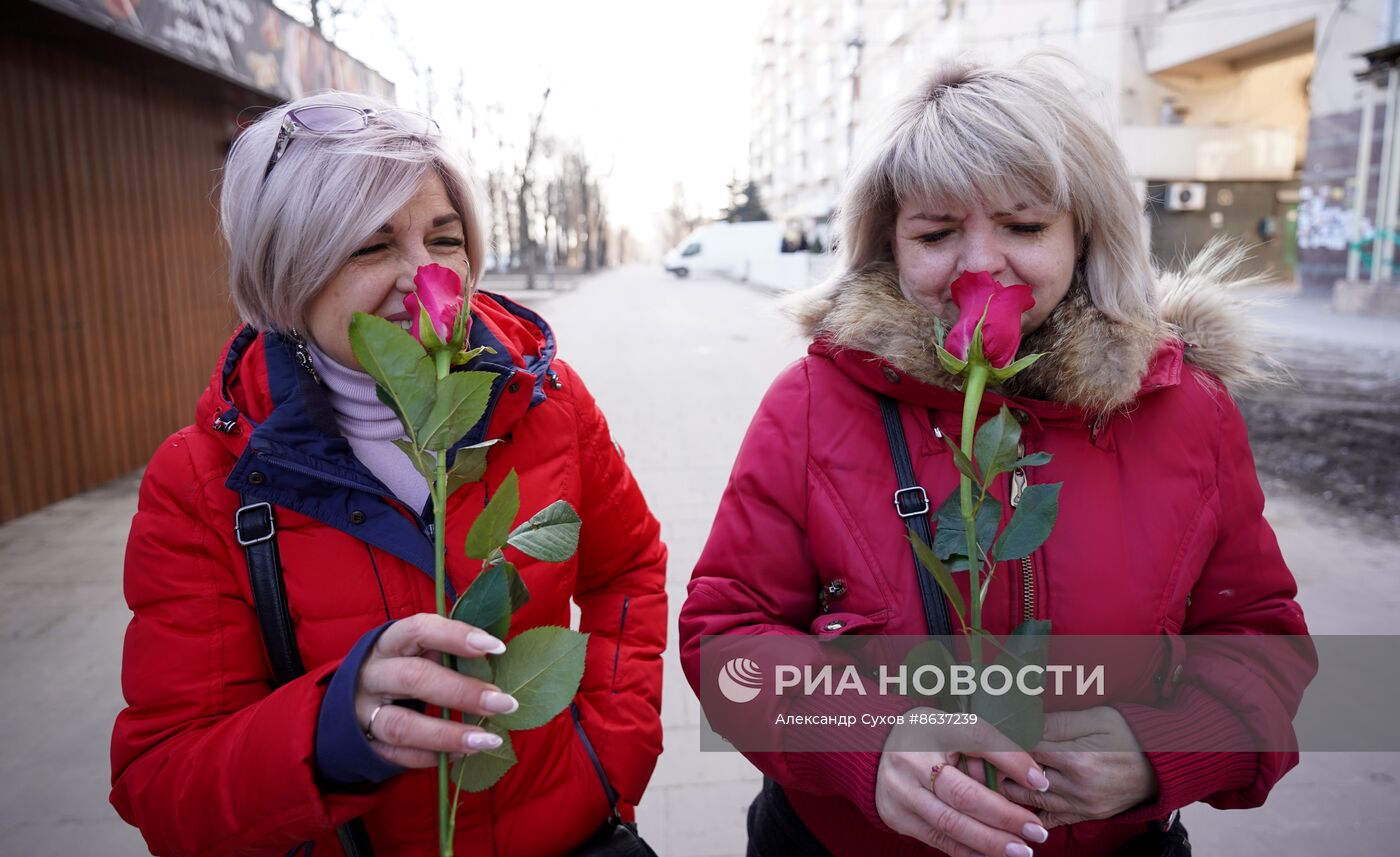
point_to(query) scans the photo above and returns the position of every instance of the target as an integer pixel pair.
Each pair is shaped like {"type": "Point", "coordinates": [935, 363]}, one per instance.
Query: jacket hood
{"type": "Point", "coordinates": [1091, 360]}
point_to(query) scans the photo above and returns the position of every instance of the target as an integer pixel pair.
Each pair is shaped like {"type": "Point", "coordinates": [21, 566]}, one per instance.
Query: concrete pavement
{"type": "Point", "coordinates": [678, 366]}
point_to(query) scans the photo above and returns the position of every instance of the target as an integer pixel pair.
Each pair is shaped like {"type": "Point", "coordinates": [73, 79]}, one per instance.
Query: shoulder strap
{"type": "Point", "coordinates": [257, 533]}
{"type": "Point", "coordinates": [911, 503]}
{"type": "Point", "coordinates": [616, 817]}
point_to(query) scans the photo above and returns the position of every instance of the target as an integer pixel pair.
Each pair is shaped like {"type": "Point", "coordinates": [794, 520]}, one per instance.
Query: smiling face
{"type": "Point", "coordinates": [934, 243]}
{"type": "Point", "coordinates": [380, 272]}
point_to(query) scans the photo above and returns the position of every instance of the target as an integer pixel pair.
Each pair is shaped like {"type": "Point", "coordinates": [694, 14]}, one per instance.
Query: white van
{"type": "Point", "coordinates": [726, 248]}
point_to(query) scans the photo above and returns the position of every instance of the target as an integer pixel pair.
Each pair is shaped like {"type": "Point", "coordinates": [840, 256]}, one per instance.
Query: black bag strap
{"type": "Point", "coordinates": [911, 503]}
{"type": "Point", "coordinates": [256, 531]}
{"type": "Point", "coordinates": [616, 817]}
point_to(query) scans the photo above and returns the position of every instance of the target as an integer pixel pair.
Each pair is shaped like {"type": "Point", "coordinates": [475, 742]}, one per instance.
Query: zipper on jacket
{"type": "Point", "coordinates": [1018, 487]}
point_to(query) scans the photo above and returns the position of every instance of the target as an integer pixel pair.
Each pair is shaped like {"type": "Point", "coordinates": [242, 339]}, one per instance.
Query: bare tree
{"type": "Point", "coordinates": [526, 181]}
{"type": "Point", "coordinates": [326, 15]}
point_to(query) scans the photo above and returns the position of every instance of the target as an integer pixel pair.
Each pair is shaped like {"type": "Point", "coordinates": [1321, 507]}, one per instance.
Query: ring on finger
{"type": "Point", "coordinates": [369, 727]}
{"type": "Point", "coordinates": [933, 775]}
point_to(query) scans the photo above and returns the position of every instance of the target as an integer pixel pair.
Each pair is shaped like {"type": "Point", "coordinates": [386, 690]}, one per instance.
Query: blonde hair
{"type": "Point", "coordinates": [972, 132]}
{"type": "Point", "coordinates": [289, 230]}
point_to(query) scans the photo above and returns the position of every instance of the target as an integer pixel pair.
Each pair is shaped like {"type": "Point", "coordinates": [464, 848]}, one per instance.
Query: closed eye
{"type": "Point", "coordinates": [449, 242]}
{"type": "Point", "coordinates": [1027, 228]}
{"type": "Point", "coordinates": [365, 251]}
{"type": "Point", "coordinates": [934, 237]}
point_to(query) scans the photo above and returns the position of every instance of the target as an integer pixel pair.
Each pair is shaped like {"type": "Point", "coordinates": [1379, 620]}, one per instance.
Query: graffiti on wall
{"type": "Point", "coordinates": [1325, 218]}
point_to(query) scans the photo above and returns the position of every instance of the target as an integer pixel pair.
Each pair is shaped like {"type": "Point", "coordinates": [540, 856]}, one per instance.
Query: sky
{"type": "Point", "coordinates": [657, 92]}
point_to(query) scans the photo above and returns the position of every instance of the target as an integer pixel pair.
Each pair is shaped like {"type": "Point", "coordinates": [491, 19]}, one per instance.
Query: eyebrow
{"type": "Point", "coordinates": [948, 218]}
{"type": "Point", "coordinates": [440, 220]}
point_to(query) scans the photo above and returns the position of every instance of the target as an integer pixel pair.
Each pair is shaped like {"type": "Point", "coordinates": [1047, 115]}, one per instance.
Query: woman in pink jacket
{"type": "Point", "coordinates": [1160, 528]}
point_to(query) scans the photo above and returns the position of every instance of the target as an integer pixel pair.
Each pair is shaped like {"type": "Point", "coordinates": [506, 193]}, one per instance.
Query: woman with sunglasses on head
{"type": "Point", "coordinates": [329, 205]}
{"type": "Point", "coordinates": [980, 174]}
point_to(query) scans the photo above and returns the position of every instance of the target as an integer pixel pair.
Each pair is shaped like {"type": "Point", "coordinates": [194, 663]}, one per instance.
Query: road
{"type": "Point", "coordinates": [678, 367]}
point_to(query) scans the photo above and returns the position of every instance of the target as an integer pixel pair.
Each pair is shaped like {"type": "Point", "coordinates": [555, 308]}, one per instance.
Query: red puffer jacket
{"type": "Point", "coordinates": [207, 759]}
{"type": "Point", "coordinates": [1160, 531]}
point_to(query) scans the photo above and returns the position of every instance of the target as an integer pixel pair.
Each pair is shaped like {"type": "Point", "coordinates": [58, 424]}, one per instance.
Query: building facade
{"type": "Point", "coordinates": [1216, 104]}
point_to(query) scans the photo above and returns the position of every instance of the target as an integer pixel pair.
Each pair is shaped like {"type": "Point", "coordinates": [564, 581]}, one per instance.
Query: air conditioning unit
{"type": "Point", "coordinates": [1186, 196]}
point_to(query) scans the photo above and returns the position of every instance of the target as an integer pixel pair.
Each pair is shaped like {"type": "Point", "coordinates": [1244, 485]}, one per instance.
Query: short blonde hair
{"type": "Point", "coordinates": [972, 132]}
{"type": "Point", "coordinates": [289, 230]}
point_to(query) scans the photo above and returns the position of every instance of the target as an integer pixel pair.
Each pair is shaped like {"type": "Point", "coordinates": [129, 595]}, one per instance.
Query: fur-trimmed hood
{"type": "Point", "coordinates": [1091, 361]}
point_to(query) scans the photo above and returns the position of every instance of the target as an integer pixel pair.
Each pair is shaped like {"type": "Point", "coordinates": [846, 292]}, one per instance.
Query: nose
{"type": "Point", "coordinates": [982, 250]}
{"type": "Point", "coordinates": [413, 258]}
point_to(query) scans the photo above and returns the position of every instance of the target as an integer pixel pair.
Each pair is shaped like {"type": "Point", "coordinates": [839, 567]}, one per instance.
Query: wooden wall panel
{"type": "Point", "coordinates": [114, 303]}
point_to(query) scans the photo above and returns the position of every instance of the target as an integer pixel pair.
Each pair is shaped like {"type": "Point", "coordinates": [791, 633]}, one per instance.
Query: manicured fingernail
{"type": "Point", "coordinates": [483, 741]}
{"type": "Point", "coordinates": [1034, 832]}
{"type": "Point", "coordinates": [1039, 780]}
{"type": "Point", "coordinates": [1016, 849]}
{"type": "Point", "coordinates": [482, 641]}
{"type": "Point", "coordinates": [498, 703]}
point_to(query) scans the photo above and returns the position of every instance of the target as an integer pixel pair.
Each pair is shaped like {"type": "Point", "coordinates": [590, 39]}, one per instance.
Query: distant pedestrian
{"type": "Point", "coordinates": [1160, 531]}
{"type": "Point", "coordinates": [329, 206]}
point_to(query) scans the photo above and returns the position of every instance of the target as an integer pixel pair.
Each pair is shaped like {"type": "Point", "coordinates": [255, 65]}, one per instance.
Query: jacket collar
{"type": "Point", "coordinates": [1093, 364]}
{"type": "Point", "coordinates": [276, 418]}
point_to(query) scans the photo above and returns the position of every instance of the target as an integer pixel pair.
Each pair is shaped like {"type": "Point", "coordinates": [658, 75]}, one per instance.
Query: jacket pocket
{"type": "Point", "coordinates": [617, 650]}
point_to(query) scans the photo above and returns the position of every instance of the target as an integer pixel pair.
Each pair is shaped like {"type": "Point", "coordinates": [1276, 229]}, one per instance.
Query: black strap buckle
{"type": "Point", "coordinates": [911, 502]}
{"type": "Point", "coordinates": [258, 529]}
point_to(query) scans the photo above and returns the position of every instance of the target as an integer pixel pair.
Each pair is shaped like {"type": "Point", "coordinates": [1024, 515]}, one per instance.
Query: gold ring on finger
{"type": "Point", "coordinates": [933, 774]}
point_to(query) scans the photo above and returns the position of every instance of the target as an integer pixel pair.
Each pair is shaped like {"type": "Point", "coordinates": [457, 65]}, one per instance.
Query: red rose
{"type": "Point", "coordinates": [439, 298]}
{"type": "Point", "coordinates": [981, 298]}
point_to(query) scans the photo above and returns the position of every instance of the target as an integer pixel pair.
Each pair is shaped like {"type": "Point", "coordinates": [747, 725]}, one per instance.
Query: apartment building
{"type": "Point", "coordinates": [1212, 101]}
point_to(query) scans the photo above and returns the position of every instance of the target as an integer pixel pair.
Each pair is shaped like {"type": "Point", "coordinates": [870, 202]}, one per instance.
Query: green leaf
{"type": "Point", "coordinates": [490, 529]}
{"type": "Point", "coordinates": [1021, 717]}
{"type": "Point", "coordinates": [400, 367]}
{"type": "Point", "coordinates": [961, 461]}
{"type": "Point", "coordinates": [949, 542]}
{"type": "Point", "coordinates": [951, 364]}
{"type": "Point", "coordinates": [1030, 524]}
{"type": "Point", "coordinates": [469, 465]}
{"type": "Point", "coordinates": [1011, 369]}
{"type": "Point", "coordinates": [483, 769]}
{"type": "Point", "coordinates": [461, 400]}
{"type": "Point", "coordinates": [551, 535]}
{"type": "Point", "coordinates": [940, 573]}
{"type": "Point", "coordinates": [1035, 459]}
{"type": "Point", "coordinates": [462, 358]}
{"type": "Point", "coordinates": [520, 595]}
{"type": "Point", "coordinates": [1018, 716]}
{"type": "Point", "coordinates": [930, 652]}
{"type": "Point", "coordinates": [424, 464]}
{"type": "Point", "coordinates": [486, 603]}
{"type": "Point", "coordinates": [995, 449]}
{"type": "Point", "coordinates": [542, 670]}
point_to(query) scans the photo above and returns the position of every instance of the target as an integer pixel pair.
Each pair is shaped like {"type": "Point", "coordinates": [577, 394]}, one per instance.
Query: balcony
{"type": "Point", "coordinates": [1189, 153]}
{"type": "Point", "coordinates": [1207, 35]}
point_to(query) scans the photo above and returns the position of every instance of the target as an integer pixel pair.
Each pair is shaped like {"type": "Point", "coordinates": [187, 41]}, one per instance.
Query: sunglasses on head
{"type": "Point", "coordinates": [336, 119]}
